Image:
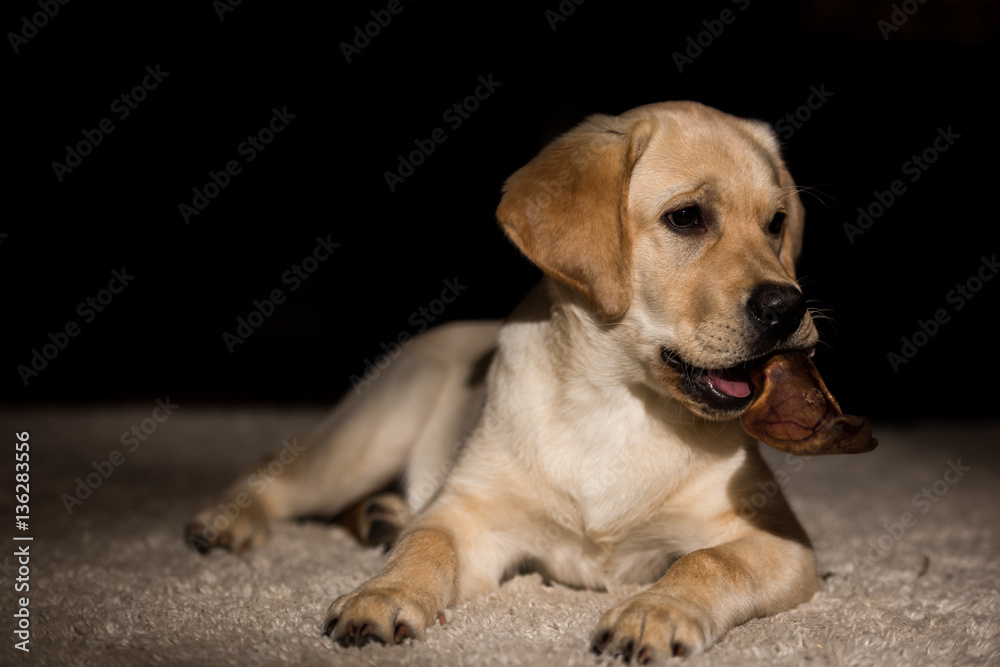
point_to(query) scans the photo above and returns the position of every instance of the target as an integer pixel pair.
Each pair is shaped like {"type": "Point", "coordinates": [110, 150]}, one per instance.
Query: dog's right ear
{"type": "Point", "coordinates": [567, 210]}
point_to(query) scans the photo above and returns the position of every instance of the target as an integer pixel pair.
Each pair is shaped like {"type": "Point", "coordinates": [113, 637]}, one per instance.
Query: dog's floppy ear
{"type": "Point", "coordinates": [566, 210]}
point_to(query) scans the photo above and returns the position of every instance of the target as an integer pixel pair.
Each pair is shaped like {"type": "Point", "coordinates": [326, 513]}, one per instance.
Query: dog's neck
{"type": "Point", "coordinates": [592, 410]}
{"type": "Point", "coordinates": [594, 361]}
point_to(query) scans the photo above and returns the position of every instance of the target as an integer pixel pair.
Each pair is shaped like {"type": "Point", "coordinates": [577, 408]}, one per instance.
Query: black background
{"type": "Point", "coordinates": [323, 176]}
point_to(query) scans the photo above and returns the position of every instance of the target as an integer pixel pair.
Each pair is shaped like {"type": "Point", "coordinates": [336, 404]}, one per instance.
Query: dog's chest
{"type": "Point", "coordinates": [612, 492]}
{"type": "Point", "coordinates": [622, 509]}
{"type": "Point", "coordinates": [610, 473]}
{"type": "Point", "coordinates": [605, 544]}
{"type": "Point", "coordinates": [605, 520]}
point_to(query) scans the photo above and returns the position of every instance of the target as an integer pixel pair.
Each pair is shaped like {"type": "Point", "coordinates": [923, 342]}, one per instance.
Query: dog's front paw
{"type": "Point", "coordinates": [228, 526]}
{"type": "Point", "coordinates": [653, 626]}
{"type": "Point", "coordinates": [387, 614]}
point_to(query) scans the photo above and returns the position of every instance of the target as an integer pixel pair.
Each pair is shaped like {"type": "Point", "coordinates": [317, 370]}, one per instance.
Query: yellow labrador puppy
{"type": "Point", "coordinates": [593, 435]}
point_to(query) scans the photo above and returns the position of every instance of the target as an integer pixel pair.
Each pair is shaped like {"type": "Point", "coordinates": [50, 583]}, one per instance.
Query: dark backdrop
{"type": "Point", "coordinates": [868, 88]}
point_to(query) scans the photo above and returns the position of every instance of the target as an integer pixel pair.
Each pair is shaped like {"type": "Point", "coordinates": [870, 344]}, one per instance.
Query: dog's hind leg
{"type": "Point", "coordinates": [413, 414]}
{"type": "Point", "coordinates": [378, 519]}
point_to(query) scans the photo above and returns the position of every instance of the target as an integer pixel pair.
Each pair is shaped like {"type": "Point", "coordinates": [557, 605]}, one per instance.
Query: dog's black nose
{"type": "Point", "coordinates": [776, 310]}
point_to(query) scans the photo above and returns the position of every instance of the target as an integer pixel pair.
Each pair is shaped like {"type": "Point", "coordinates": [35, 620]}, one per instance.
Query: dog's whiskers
{"type": "Point", "coordinates": [812, 190]}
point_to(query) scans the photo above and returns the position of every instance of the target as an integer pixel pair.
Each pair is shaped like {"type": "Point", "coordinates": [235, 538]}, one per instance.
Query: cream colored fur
{"type": "Point", "coordinates": [579, 453]}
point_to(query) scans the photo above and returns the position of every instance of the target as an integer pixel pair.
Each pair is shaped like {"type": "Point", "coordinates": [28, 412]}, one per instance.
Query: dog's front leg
{"type": "Point", "coordinates": [451, 552]}
{"type": "Point", "coordinates": [416, 585]}
{"type": "Point", "coordinates": [707, 592]}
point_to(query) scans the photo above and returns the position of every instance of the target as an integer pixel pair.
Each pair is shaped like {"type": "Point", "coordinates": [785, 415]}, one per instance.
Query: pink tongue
{"type": "Point", "coordinates": [737, 388]}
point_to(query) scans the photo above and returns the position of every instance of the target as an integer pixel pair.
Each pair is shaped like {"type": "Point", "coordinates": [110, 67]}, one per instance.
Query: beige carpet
{"type": "Point", "coordinates": [908, 538]}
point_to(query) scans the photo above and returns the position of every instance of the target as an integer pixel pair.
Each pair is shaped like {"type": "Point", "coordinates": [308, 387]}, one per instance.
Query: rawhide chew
{"type": "Point", "coordinates": [794, 412]}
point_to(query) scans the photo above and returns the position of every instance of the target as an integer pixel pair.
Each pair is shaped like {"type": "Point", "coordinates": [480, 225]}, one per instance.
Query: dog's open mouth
{"type": "Point", "coordinates": [723, 391]}
{"type": "Point", "coordinates": [783, 400]}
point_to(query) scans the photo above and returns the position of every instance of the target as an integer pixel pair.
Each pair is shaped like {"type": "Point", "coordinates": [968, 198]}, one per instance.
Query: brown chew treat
{"type": "Point", "coordinates": [794, 412]}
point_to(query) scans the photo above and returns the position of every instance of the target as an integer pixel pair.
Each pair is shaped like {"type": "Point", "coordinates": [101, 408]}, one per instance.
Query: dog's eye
{"type": "Point", "coordinates": [685, 218]}
{"type": "Point", "coordinates": [777, 223]}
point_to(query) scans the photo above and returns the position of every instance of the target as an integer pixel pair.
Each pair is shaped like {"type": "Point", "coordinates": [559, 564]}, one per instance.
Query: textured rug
{"type": "Point", "coordinates": [907, 539]}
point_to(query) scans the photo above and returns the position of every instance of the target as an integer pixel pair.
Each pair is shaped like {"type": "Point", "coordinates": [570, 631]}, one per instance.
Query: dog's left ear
{"type": "Point", "coordinates": [567, 210]}
{"type": "Point", "coordinates": [791, 239]}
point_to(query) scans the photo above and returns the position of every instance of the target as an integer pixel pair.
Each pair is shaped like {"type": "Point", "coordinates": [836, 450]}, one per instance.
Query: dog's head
{"type": "Point", "coordinates": [680, 224]}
